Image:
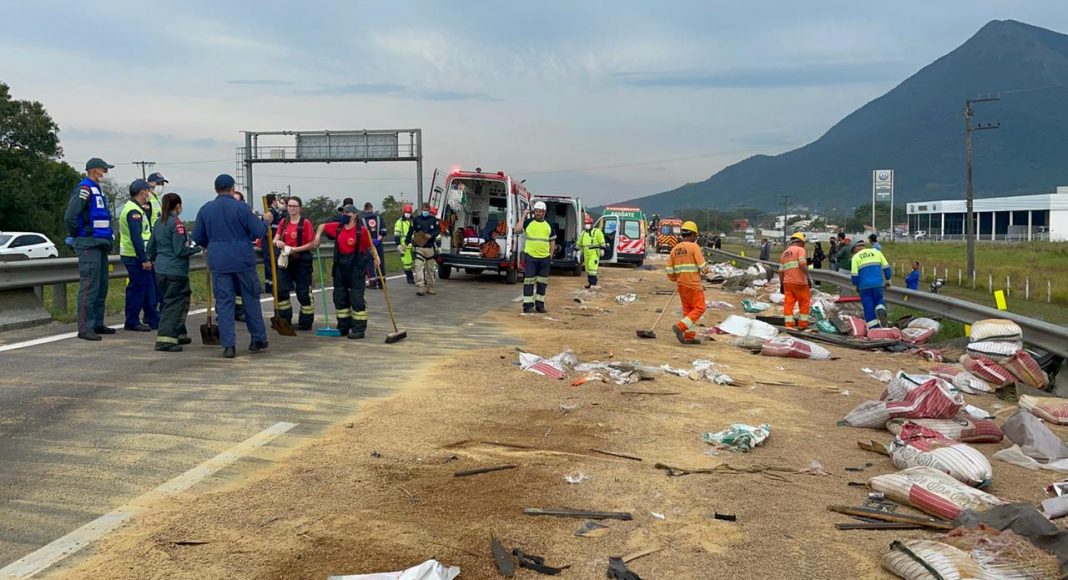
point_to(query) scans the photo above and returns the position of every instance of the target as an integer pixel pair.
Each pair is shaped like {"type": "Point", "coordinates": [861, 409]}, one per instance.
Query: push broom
{"type": "Point", "coordinates": [396, 335]}
{"type": "Point", "coordinates": [651, 333]}
{"type": "Point", "coordinates": [328, 330]}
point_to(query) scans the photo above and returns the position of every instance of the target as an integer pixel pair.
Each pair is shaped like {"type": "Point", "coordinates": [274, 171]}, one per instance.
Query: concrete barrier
{"type": "Point", "coordinates": [20, 308]}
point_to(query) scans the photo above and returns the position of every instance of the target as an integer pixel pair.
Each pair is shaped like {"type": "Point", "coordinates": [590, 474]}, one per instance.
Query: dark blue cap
{"type": "Point", "coordinates": [157, 178]}
{"type": "Point", "coordinates": [224, 182]}
{"type": "Point", "coordinates": [97, 163]}
{"type": "Point", "coordinates": [138, 186]}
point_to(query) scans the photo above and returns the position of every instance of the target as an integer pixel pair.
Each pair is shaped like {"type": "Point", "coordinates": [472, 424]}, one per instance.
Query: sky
{"type": "Point", "coordinates": [604, 100]}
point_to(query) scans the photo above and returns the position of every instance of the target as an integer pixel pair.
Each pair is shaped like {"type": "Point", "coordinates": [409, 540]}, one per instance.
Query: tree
{"type": "Point", "coordinates": [320, 209]}
{"type": "Point", "coordinates": [34, 185]}
{"type": "Point", "coordinates": [392, 208]}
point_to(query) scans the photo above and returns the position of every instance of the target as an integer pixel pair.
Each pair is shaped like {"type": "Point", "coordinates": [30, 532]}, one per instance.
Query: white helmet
{"type": "Point", "coordinates": [539, 205]}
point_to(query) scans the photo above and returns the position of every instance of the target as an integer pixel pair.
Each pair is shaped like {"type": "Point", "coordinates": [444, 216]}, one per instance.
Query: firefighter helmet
{"type": "Point", "coordinates": [407, 208]}
{"type": "Point", "coordinates": [798, 236]}
{"type": "Point", "coordinates": [690, 227]}
{"type": "Point", "coordinates": [587, 219]}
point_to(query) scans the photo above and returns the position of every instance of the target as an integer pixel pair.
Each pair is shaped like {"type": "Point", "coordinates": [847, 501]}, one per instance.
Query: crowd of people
{"type": "Point", "coordinates": [155, 247]}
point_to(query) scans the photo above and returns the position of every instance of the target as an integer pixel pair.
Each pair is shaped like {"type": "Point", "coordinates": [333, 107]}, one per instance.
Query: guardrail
{"type": "Point", "coordinates": [1048, 337]}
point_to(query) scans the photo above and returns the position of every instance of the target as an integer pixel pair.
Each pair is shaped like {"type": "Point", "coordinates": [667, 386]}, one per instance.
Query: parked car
{"type": "Point", "coordinates": [28, 244]}
{"type": "Point", "coordinates": [920, 235]}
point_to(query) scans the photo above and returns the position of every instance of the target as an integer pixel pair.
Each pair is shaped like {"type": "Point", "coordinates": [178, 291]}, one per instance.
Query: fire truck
{"type": "Point", "coordinates": [668, 234]}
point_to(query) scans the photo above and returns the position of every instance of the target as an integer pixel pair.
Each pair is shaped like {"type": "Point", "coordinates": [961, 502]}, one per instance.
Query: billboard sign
{"type": "Point", "coordinates": [347, 146]}
{"type": "Point", "coordinates": [883, 184]}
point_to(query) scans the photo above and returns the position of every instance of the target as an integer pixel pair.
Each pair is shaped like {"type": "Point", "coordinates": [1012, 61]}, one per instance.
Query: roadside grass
{"type": "Point", "coordinates": [197, 282]}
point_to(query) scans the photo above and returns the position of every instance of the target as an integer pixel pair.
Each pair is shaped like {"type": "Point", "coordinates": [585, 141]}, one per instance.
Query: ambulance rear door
{"type": "Point", "coordinates": [609, 224]}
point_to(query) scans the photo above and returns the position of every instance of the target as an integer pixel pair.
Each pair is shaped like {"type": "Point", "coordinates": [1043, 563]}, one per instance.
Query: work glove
{"type": "Point", "coordinates": [69, 241]}
{"type": "Point", "coordinates": [286, 251]}
{"type": "Point", "coordinates": [600, 252]}
{"type": "Point", "coordinates": [886, 284]}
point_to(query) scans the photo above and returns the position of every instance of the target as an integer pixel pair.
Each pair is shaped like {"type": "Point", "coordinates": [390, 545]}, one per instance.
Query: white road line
{"type": "Point", "coordinates": [66, 335]}
{"type": "Point", "coordinates": [49, 555]}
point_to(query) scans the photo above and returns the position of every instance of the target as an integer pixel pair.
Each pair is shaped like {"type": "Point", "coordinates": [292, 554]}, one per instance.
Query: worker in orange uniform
{"type": "Point", "coordinates": [796, 283]}
{"type": "Point", "coordinates": [684, 268]}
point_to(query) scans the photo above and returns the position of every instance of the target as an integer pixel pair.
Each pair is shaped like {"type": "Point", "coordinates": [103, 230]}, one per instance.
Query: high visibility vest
{"type": "Point", "coordinates": [538, 235]}
{"type": "Point", "coordinates": [400, 229]}
{"type": "Point", "coordinates": [99, 225]}
{"type": "Point", "coordinates": [592, 240]}
{"type": "Point", "coordinates": [157, 207]}
{"type": "Point", "coordinates": [125, 243]}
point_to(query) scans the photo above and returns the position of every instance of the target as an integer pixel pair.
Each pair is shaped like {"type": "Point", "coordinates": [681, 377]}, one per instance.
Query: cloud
{"type": "Point", "coordinates": [452, 96]}
{"type": "Point", "coordinates": [261, 82]}
{"type": "Point", "coordinates": [354, 89]}
{"type": "Point", "coordinates": [156, 139]}
{"type": "Point", "coordinates": [801, 75]}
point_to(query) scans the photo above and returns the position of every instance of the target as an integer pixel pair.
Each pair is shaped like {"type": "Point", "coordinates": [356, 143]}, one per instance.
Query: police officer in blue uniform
{"type": "Point", "coordinates": [88, 221]}
{"type": "Point", "coordinates": [377, 228]}
{"type": "Point", "coordinates": [226, 229]}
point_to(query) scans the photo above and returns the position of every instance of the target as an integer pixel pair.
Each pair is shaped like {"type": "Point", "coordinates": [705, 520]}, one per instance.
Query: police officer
{"type": "Point", "coordinates": [422, 238]}
{"type": "Point", "coordinates": [377, 228]}
{"type": "Point", "coordinates": [169, 249]}
{"type": "Point", "coordinates": [135, 230]}
{"type": "Point", "coordinates": [225, 227]}
{"type": "Point", "coordinates": [400, 233]}
{"type": "Point", "coordinates": [538, 250]}
{"type": "Point", "coordinates": [294, 238]}
{"type": "Point", "coordinates": [352, 250]}
{"type": "Point", "coordinates": [592, 244]}
{"type": "Point", "coordinates": [88, 221]}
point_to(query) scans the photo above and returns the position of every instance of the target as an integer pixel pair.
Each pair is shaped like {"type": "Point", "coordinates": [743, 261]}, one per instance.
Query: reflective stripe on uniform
{"type": "Point", "coordinates": [101, 223]}
{"type": "Point", "coordinates": [344, 313]}
{"type": "Point", "coordinates": [285, 305]}
{"type": "Point", "coordinates": [542, 279]}
{"type": "Point", "coordinates": [685, 268]}
{"type": "Point", "coordinates": [166, 340]}
{"type": "Point", "coordinates": [790, 265]}
{"type": "Point", "coordinates": [359, 315]}
{"type": "Point", "coordinates": [309, 309]}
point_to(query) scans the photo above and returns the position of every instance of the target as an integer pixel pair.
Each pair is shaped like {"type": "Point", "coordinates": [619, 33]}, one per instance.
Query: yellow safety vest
{"type": "Point", "coordinates": [125, 244]}
{"type": "Point", "coordinates": [539, 234]}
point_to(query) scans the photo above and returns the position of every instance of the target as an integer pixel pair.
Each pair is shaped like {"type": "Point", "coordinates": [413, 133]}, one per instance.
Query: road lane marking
{"type": "Point", "coordinates": [66, 335]}
{"type": "Point", "coordinates": [51, 554]}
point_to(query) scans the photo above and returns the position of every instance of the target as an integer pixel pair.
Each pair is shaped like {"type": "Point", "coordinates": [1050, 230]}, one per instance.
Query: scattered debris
{"type": "Point", "coordinates": [739, 437]}
{"type": "Point", "coordinates": [646, 393]}
{"type": "Point", "coordinates": [591, 529]}
{"type": "Point", "coordinates": [503, 558]}
{"type": "Point", "coordinates": [619, 571]}
{"type": "Point", "coordinates": [617, 454]}
{"type": "Point", "coordinates": [658, 516]}
{"type": "Point", "coordinates": [770, 472]}
{"type": "Point", "coordinates": [536, 563]}
{"type": "Point", "coordinates": [883, 376]}
{"type": "Point", "coordinates": [566, 513]}
{"type": "Point", "coordinates": [429, 570]}
{"type": "Point", "coordinates": [577, 477]}
{"type": "Point", "coordinates": [641, 554]}
{"type": "Point", "coordinates": [554, 367]}
{"type": "Point", "coordinates": [565, 409]}
{"type": "Point", "coordinates": [790, 347]}
{"type": "Point", "coordinates": [874, 514]}
{"type": "Point", "coordinates": [725, 517]}
{"type": "Point", "coordinates": [917, 445]}
{"type": "Point", "coordinates": [933, 492]}
{"type": "Point", "coordinates": [741, 326]}
{"type": "Point", "coordinates": [754, 307]}
{"type": "Point", "coordinates": [1036, 446]}
{"type": "Point", "coordinates": [376, 455]}
{"type": "Point", "coordinates": [814, 468]}
{"type": "Point", "coordinates": [719, 305]}
{"type": "Point", "coordinates": [674, 371]}
{"type": "Point", "coordinates": [483, 470]}
{"type": "Point", "coordinates": [627, 298]}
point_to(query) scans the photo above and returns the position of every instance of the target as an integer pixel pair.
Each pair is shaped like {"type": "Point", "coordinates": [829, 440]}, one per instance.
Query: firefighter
{"type": "Point", "coordinates": [170, 249]}
{"type": "Point", "coordinates": [400, 232]}
{"type": "Point", "coordinates": [422, 237]}
{"type": "Point", "coordinates": [226, 230]}
{"type": "Point", "coordinates": [795, 282]}
{"type": "Point", "coordinates": [294, 238]}
{"type": "Point", "coordinates": [870, 274]}
{"type": "Point", "coordinates": [88, 222]}
{"type": "Point", "coordinates": [135, 230]}
{"type": "Point", "coordinates": [353, 250]}
{"type": "Point", "coordinates": [592, 244]}
{"type": "Point", "coordinates": [377, 228]}
{"type": "Point", "coordinates": [538, 249]}
{"type": "Point", "coordinates": [684, 267]}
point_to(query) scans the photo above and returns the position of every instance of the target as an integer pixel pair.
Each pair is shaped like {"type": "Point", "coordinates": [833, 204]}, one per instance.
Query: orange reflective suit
{"type": "Point", "coordinates": [684, 268]}
{"type": "Point", "coordinates": [794, 268]}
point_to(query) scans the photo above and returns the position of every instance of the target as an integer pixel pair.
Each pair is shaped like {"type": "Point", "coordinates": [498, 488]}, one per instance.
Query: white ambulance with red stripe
{"type": "Point", "coordinates": [624, 233]}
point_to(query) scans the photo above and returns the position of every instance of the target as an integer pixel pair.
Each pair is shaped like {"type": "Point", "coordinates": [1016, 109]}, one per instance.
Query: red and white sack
{"type": "Point", "coordinates": [988, 370]}
{"type": "Point", "coordinates": [855, 327]}
{"type": "Point", "coordinates": [916, 445]}
{"type": "Point", "coordinates": [901, 384]}
{"type": "Point", "coordinates": [1026, 369]}
{"type": "Point", "coordinates": [884, 334]}
{"type": "Point", "coordinates": [790, 347]}
{"type": "Point", "coordinates": [925, 323]}
{"type": "Point", "coordinates": [994, 350]}
{"type": "Point", "coordinates": [917, 335]}
{"type": "Point", "coordinates": [963, 428]}
{"type": "Point", "coordinates": [933, 492]}
{"type": "Point", "coordinates": [934, 399]}
{"type": "Point", "coordinates": [962, 379]}
{"type": "Point", "coordinates": [1052, 409]}
{"type": "Point", "coordinates": [996, 329]}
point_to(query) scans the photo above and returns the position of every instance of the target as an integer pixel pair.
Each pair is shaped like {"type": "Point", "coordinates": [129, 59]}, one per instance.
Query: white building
{"type": "Point", "coordinates": [1015, 218]}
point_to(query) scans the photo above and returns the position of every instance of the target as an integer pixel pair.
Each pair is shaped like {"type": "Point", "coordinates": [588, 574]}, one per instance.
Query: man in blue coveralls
{"type": "Point", "coordinates": [226, 229]}
{"type": "Point", "coordinates": [870, 273]}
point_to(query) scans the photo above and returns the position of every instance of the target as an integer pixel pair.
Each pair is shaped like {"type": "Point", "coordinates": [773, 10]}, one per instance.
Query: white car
{"type": "Point", "coordinates": [29, 244]}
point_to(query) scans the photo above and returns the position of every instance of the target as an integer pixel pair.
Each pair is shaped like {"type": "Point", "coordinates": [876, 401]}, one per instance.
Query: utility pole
{"type": "Point", "coordinates": [785, 216]}
{"type": "Point", "coordinates": [144, 164]}
{"type": "Point", "coordinates": [969, 231]}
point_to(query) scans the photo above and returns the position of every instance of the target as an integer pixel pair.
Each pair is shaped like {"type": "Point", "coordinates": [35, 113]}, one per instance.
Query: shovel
{"type": "Point", "coordinates": [283, 326]}
{"type": "Point", "coordinates": [327, 331]}
{"type": "Point", "coordinates": [651, 333]}
{"type": "Point", "coordinates": [209, 332]}
{"type": "Point", "coordinates": [396, 335]}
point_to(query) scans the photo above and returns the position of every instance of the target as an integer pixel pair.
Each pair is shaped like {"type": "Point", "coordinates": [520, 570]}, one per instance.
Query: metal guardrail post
{"type": "Point", "coordinates": [59, 297]}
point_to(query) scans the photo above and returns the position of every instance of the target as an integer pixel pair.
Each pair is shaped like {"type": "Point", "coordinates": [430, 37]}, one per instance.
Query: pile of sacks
{"type": "Point", "coordinates": [918, 330]}
{"type": "Point", "coordinates": [996, 355]}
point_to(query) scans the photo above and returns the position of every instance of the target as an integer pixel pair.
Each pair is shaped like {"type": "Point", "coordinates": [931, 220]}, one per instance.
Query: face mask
{"type": "Point", "coordinates": [424, 213]}
{"type": "Point", "coordinates": [588, 226]}
{"type": "Point", "coordinates": [407, 216]}
{"type": "Point", "coordinates": [158, 189]}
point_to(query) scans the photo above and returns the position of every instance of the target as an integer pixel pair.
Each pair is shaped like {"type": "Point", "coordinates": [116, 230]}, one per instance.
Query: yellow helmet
{"type": "Point", "coordinates": [689, 227]}
{"type": "Point", "coordinates": [798, 236]}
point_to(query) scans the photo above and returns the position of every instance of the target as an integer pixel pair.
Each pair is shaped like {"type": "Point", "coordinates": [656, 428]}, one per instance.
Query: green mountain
{"type": "Point", "coordinates": [917, 129]}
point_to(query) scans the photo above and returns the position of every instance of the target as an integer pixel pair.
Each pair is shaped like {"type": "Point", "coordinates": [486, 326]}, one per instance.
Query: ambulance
{"type": "Point", "coordinates": [565, 214]}
{"type": "Point", "coordinates": [624, 233]}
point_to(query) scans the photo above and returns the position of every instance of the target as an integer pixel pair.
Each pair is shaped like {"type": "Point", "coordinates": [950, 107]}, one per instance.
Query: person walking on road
{"type": "Point", "coordinates": [135, 230]}
{"type": "Point", "coordinates": [225, 228]}
{"type": "Point", "coordinates": [591, 242]}
{"type": "Point", "coordinates": [422, 238]}
{"type": "Point", "coordinates": [538, 249]}
{"type": "Point", "coordinates": [169, 250]}
{"type": "Point", "coordinates": [88, 221]}
{"type": "Point", "coordinates": [294, 239]}
{"type": "Point", "coordinates": [795, 282]}
{"type": "Point", "coordinates": [353, 250]}
{"type": "Point", "coordinates": [376, 226]}
{"type": "Point", "coordinates": [400, 233]}
{"type": "Point", "coordinates": [870, 274]}
{"type": "Point", "coordinates": [684, 267]}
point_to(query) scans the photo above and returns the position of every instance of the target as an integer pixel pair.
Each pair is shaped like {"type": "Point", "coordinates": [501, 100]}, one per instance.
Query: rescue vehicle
{"type": "Point", "coordinates": [482, 222]}
{"type": "Point", "coordinates": [668, 234]}
{"type": "Point", "coordinates": [565, 214]}
{"type": "Point", "coordinates": [624, 233]}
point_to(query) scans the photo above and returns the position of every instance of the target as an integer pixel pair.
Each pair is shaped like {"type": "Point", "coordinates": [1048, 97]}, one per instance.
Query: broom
{"type": "Point", "coordinates": [651, 333]}
{"type": "Point", "coordinates": [396, 335]}
{"type": "Point", "coordinates": [327, 331]}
